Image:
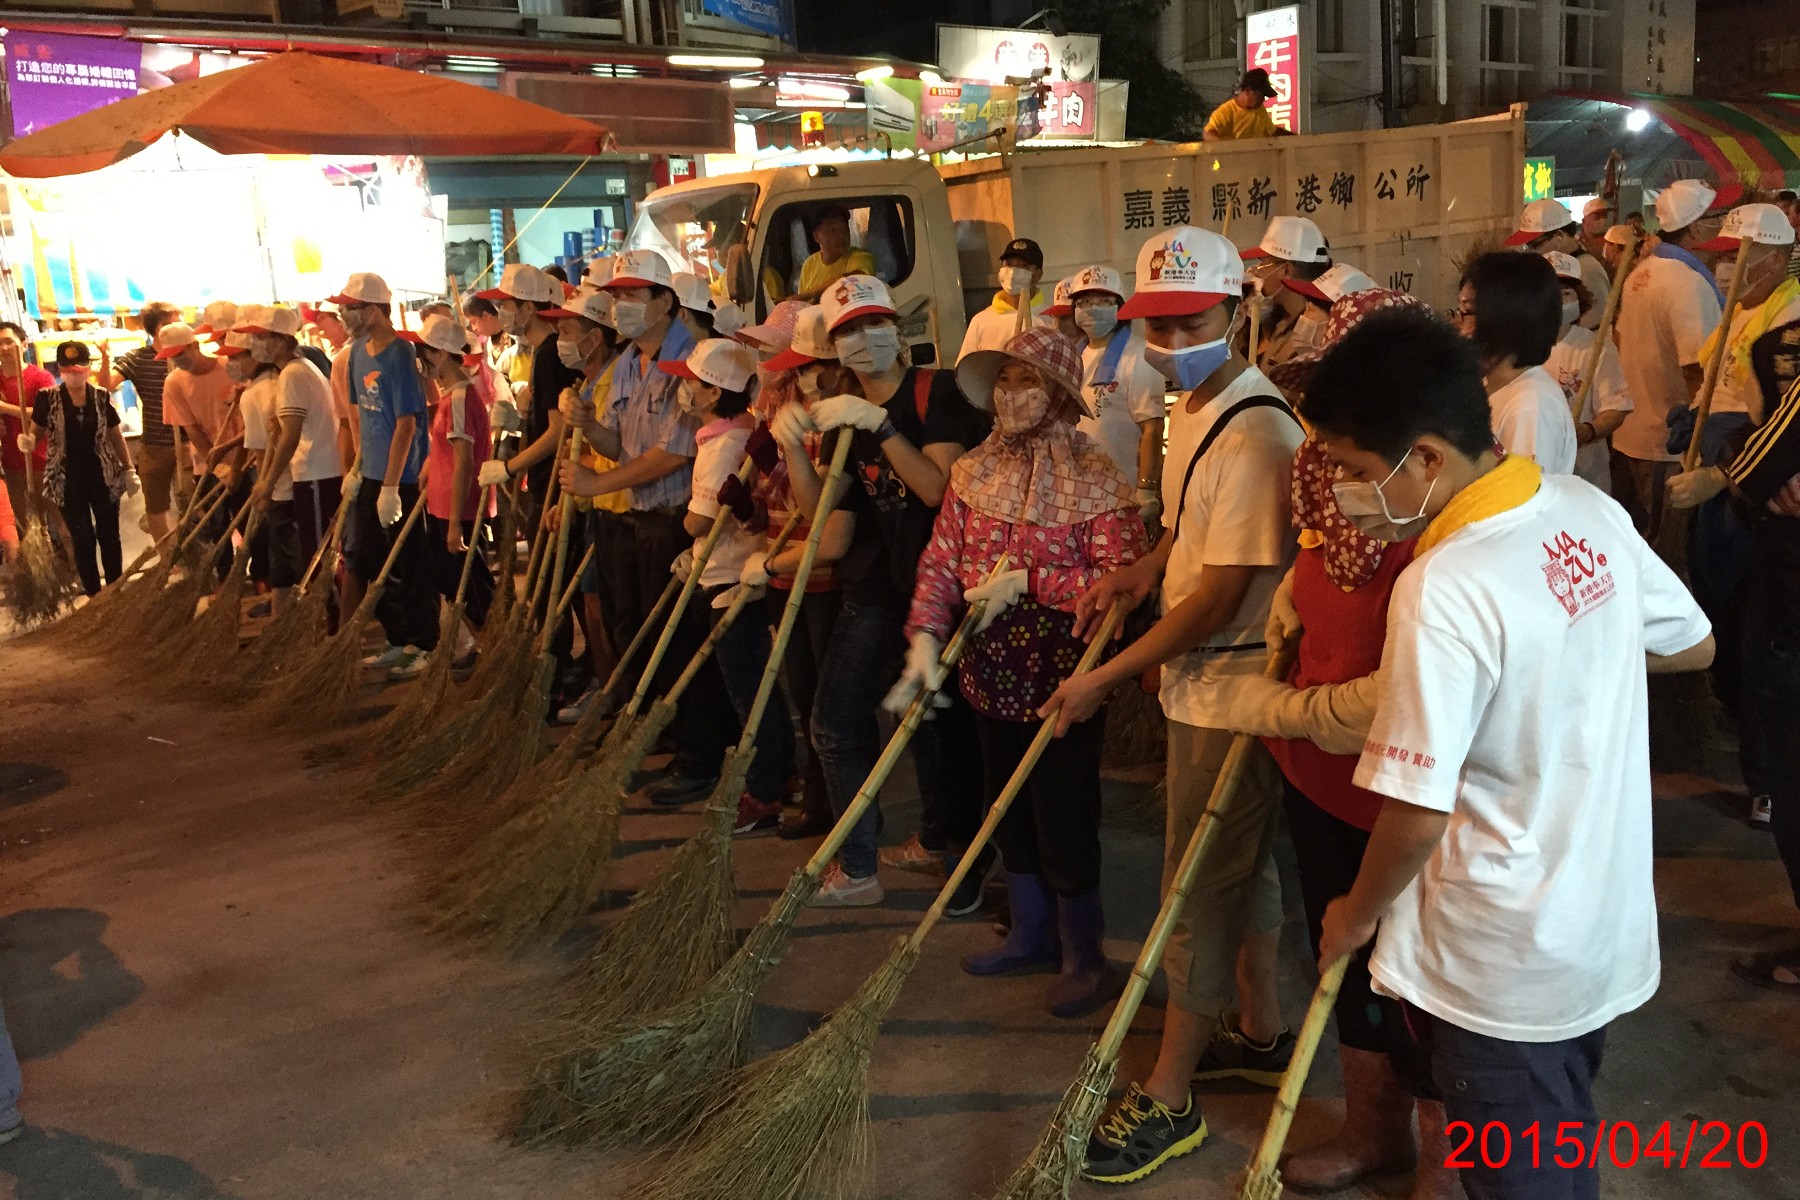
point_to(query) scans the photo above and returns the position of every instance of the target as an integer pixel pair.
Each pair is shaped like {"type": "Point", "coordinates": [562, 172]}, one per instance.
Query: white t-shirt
{"type": "Point", "coordinates": [1665, 316]}
{"type": "Point", "coordinates": [1239, 513]}
{"type": "Point", "coordinates": [1567, 363]}
{"type": "Point", "coordinates": [1514, 699]}
{"type": "Point", "coordinates": [991, 329]}
{"type": "Point", "coordinates": [304, 393]}
{"type": "Point", "coordinates": [1598, 283]}
{"type": "Point", "coordinates": [1134, 394]}
{"type": "Point", "coordinates": [719, 455]}
{"type": "Point", "coordinates": [260, 430]}
{"type": "Point", "coordinates": [1738, 390]}
{"type": "Point", "coordinates": [1531, 416]}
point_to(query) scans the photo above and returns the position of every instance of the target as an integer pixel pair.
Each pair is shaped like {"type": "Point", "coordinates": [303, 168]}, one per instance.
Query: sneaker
{"type": "Point", "coordinates": [261, 608]}
{"type": "Point", "coordinates": [968, 894]}
{"type": "Point", "coordinates": [1140, 1136]}
{"type": "Point", "coordinates": [1760, 807]}
{"type": "Point", "coordinates": [410, 665]}
{"type": "Point", "coordinates": [1231, 1055]}
{"type": "Point", "coordinates": [572, 712]}
{"type": "Point", "coordinates": [842, 891]}
{"type": "Point", "coordinates": [798, 823]}
{"type": "Point", "coordinates": [754, 816]}
{"type": "Point", "coordinates": [383, 659]}
{"type": "Point", "coordinates": [11, 1132]}
{"type": "Point", "coordinates": [911, 855]}
{"type": "Point", "coordinates": [677, 789]}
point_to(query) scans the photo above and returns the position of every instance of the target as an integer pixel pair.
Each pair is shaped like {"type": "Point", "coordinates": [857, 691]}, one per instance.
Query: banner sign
{"type": "Point", "coordinates": [993, 55]}
{"type": "Point", "coordinates": [51, 77]}
{"type": "Point", "coordinates": [1072, 110]}
{"type": "Point", "coordinates": [764, 16]}
{"type": "Point", "coordinates": [954, 114]}
{"type": "Point", "coordinates": [1540, 178]}
{"type": "Point", "coordinates": [1272, 42]}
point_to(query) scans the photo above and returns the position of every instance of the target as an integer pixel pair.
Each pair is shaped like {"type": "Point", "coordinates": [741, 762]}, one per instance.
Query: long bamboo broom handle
{"type": "Point", "coordinates": [1254, 340]}
{"type": "Point", "coordinates": [541, 542]}
{"type": "Point", "coordinates": [669, 592]}
{"type": "Point", "coordinates": [1603, 335]}
{"type": "Point", "coordinates": [909, 725]}
{"type": "Point", "coordinates": [997, 811]}
{"type": "Point", "coordinates": [336, 535]}
{"type": "Point", "coordinates": [1703, 405]}
{"type": "Point", "coordinates": [17, 356]}
{"type": "Point", "coordinates": [1264, 1179]}
{"type": "Point", "coordinates": [471, 547]}
{"type": "Point", "coordinates": [568, 593]}
{"type": "Point", "coordinates": [393, 556]}
{"type": "Point", "coordinates": [199, 526]}
{"type": "Point", "coordinates": [565, 521]}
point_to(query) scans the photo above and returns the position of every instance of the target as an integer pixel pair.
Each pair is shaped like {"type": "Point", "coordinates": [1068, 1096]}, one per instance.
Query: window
{"type": "Point", "coordinates": [1578, 41]}
{"type": "Point", "coordinates": [881, 225]}
{"type": "Point", "coordinates": [1500, 34]}
{"type": "Point", "coordinates": [697, 229]}
{"type": "Point", "coordinates": [1330, 31]}
{"type": "Point", "coordinates": [1417, 33]}
{"type": "Point", "coordinates": [1212, 27]}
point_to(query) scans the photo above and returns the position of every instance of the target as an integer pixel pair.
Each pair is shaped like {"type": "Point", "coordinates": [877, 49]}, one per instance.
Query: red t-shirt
{"type": "Point", "coordinates": [36, 379]}
{"type": "Point", "coordinates": [1345, 633]}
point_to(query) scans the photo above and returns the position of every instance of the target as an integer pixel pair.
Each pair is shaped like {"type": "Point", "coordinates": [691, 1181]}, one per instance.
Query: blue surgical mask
{"type": "Point", "coordinates": [1189, 366]}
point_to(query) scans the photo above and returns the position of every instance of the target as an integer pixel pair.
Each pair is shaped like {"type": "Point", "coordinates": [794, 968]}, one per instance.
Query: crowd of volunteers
{"type": "Point", "coordinates": [1472, 530]}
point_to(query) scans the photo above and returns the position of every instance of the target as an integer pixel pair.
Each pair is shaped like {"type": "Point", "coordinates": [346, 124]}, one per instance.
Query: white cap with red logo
{"type": "Point", "coordinates": [278, 319]}
{"type": "Point", "coordinates": [640, 268]}
{"type": "Point", "coordinates": [173, 338]}
{"type": "Point", "coordinates": [1342, 280]}
{"type": "Point", "coordinates": [440, 333]}
{"type": "Point", "coordinates": [522, 281]}
{"type": "Point", "coordinates": [723, 362]}
{"type": "Point", "coordinates": [1182, 271]}
{"type": "Point", "coordinates": [1540, 217]}
{"type": "Point", "coordinates": [590, 304]}
{"type": "Point", "coordinates": [1761, 223]}
{"type": "Point", "coordinates": [1564, 265]}
{"type": "Point", "coordinates": [1292, 239]}
{"type": "Point", "coordinates": [1096, 279]}
{"type": "Point", "coordinates": [855, 296]}
{"type": "Point", "coordinates": [811, 342]}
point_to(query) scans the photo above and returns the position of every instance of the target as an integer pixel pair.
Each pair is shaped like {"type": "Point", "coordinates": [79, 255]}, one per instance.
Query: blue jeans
{"type": "Point", "coordinates": [742, 653]}
{"type": "Point", "coordinates": [10, 1082]}
{"type": "Point", "coordinates": [861, 663]}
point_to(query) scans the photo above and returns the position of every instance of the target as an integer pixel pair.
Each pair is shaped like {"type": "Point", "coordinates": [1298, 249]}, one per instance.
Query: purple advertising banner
{"type": "Point", "coordinates": [51, 77]}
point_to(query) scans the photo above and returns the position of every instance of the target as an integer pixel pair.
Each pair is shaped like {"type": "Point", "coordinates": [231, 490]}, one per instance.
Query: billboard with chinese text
{"type": "Point", "coordinates": [1272, 42]}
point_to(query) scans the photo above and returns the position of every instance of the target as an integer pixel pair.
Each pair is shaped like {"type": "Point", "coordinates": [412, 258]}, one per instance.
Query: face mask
{"type": "Point", "coordinates": [262, 349]}
{"type": "Point", "coordinates": [870, 351]}
{"type": "Point", "coordinates": [808, 382]}
{"type": "Point", "coordinates": [692, 402]}
{"type": "Point", "coordinates": [1014, 280]}
{"type": "Point", "coordinates": [75, 378]}
{"type": "Point", "coordinates": [238, 368]}
{"type": "Point", "coordinates": [570, 354]}
{"type": "Point", "coordinates": [631, 318]}
{"type": "Point", "coordinates": [1365, 506]}
{"type": "Point", "coordinates": [1020, 412]}
{"type": "Point", "coordinates": [1098, 321]}
{"type": "Point", "coordinates": [1571, 313]}
{"type": "Point", "coordinates": [356, 322]}
{"type": "Point", "coordinates": [1309, 329]}
{"type": "Point", "coordinates": [1190, 365]}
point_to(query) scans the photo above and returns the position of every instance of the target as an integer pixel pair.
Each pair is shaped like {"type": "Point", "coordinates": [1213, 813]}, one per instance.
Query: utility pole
{"type": "Point", "coordinates": [1390, 65]}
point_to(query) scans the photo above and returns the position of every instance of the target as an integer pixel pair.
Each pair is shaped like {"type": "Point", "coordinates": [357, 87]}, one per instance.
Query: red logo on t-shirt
{"type": "Point", "coordinates": [1576, 573]}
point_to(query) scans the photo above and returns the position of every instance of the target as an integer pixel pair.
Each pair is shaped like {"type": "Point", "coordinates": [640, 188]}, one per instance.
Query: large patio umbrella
{"type": "Point", "coordinates": [299, 103]}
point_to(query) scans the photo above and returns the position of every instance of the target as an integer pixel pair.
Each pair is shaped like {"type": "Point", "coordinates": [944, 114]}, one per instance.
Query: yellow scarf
{"type": "Point", "coordinates": [1002, 304]}
{"type": "Point", "coordinates": [1507, 486]}
{"type": "Point", "coordinates": [1762, 319]}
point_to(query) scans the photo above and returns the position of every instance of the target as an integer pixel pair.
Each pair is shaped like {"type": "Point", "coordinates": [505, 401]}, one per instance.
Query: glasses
{"type": "Point", "coordinates": [1462, 314]}
{"type": "Point", "coordinates": [1095, 302]}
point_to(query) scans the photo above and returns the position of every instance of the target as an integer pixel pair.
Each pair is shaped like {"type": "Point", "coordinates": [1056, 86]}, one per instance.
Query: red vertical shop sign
{"type": "Point", "coordinates": [1272, 42]}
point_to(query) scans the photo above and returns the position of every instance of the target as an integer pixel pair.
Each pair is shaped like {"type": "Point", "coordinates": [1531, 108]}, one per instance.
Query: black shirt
{"type": "Point", "coordinates": [548, 379]}
{"type": "Point", "coordinates": [81, 462]}
{"type": "Point", "coordinates": [1771, 457]}
{"type": "Point", "coordinates": [317, 358]}
{"type": "Point", "coordinates": [893, 526]}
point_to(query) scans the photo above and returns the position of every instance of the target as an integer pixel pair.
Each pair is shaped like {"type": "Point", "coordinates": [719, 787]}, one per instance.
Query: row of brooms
{"type": "Point", "coordinates": [649, 1046]}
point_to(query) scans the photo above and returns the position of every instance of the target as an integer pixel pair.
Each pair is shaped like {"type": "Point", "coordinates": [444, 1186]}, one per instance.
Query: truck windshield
{"type": "Point", "coordinates": [701, 230]}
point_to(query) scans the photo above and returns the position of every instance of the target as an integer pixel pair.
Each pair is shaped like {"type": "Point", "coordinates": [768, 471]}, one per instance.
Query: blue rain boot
{"type": "Point", "coordinates": [1087, 981]}
{"type": "Point", "coordinates": [1031, 944]}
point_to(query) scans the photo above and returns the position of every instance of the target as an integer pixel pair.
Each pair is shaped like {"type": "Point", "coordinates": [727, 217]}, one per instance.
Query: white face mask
{"type": "Point", "coordinates": [356, 322]}
{"type": "Point", "coordinates": [262, 349]}
{"type": "Point", "coordinates": [516, 315]}
{"type": "Point", "coordinates": [1015, 280]}
{"type": "Point", "coordinates": [1365, 506]}
{"type": "Point", "coordinates": [870, 351]}
{"type": "Point", "coordinates": [808, 383]}
{"type": "Point", "coordinates": [571, 354]}
{"type": "Point", "coordinates": [631, 318]}
{"type": "Point", "coordinates": [692, 402]}
{"type": "Point", "coordinates": [1097, 321]}
{"type": "Point", "coordinates": [1571, 312]}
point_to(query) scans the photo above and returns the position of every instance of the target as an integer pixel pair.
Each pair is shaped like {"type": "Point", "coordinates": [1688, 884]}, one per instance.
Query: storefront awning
{"type": "Point", "coordinates": [1744, 146]}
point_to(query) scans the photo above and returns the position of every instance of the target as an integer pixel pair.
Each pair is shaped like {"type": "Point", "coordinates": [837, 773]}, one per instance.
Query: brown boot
{"type": "Point", "coordinates": [1377, 1131]}
{"type": "Point", "coordinates": [1434, 1180]}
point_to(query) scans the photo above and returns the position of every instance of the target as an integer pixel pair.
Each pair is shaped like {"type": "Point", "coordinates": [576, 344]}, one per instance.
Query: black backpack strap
{"type": "Point", "coordinates": [1212, 435]}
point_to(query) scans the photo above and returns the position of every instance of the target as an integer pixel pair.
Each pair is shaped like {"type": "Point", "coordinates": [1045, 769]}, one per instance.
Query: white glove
{"type": "Point", "coordinates": [493, 473]}
{"type": "Point", "coordinates": [133, 485]}
{"type": "Point", "coordinates": [1149, 502]}
{"type": "Point", "coordinates": [575, 409]}
{"type": "Point", "coordinates": [387, 505]}
{"type": "Point", "coordinates": [854, 411]}
{"type": "Point", "coordinates": [922, 671]}
{"type": "Point", "coordinates": [1693, 488]}
{"type": "Point", "coordinates": [1001, 593]}
{"type": "Point", "coordinates": [791, 425]}
{"type": "Point", "coordinates": [351, 481]}
{"type": "Point", "coordinates": [683, 566]}
{"type": "Point", "coordinates": [504, 415]}
{"type": "Point", "coordinates": [1251, 703]}
{"type": "Point", "coordinates": [755, 571]}
{"type": "Point", "coordinates": [729, 596]}
{"type": "Point", "coordinates": [1284, 619]}
{"type": "Point", "coordinates": [27, 441]}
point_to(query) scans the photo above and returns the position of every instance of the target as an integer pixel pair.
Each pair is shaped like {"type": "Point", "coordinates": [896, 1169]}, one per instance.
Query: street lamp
{"type": "Point", "coordinates": [1638, 120]}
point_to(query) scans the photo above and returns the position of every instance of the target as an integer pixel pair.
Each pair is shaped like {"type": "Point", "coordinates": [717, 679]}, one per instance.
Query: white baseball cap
{"type": "Point", "coordinates": [1182, 271]}
{"type": "Point", "coordinates": [598, 272]}
{"type": "Point", "coordinates": [440, 333]}
{"type": "Point", "coordinates": [1294, 239]}
{"type": "Point", "coordinates": [1096, 279]}
{"type": "Point", "coordinates": [173, 338]}
{"type": "Point", "coordinates": [522, 281]}
{"type": "Point", "coordinates": [1599, 204]}
{"type": "Point", "coordinates": [692, 292]}
{"type": "Point", "coordinates": [1061, 303]}
{"type": "Point", "coordinates": [811, 342]}
{"type": "Point", "coordinates": [1340, 281]}
{"type": "Point", "coordinates": [640, 268]}
{"type": "Point", "coordinates": [1682, 203]}
{"type": "Point", "coordinates": [234, 343]}
{"type": "Point", "coordinates": [1620, 235]}
{"type": "Point", "coordinates": [1762, 223]}
{"type": "Point", "coordinates": [217, 318]}
{"type": "Point", "coordinates": [1564, 265]}
{"type": "Point", "coordinates": [590, 304]}
{"type": "Point", "coordinates": [277, 319]}
{"type": "Point", "coordinates": [855, 296]}
{"type": "Point", "coordinates": [723, 362]}
{"type": "Point", "coordinates": [1540, 217]}
{"type": "Point", "coordinates": [365, 287]}
{"type": "Point", "coordinates": [247, 316]}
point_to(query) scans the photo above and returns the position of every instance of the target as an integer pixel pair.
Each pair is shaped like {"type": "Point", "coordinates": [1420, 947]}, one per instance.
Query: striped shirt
{"type": "Point", "coordinates": [646, 414]}
{"type": "Point", "coordinates": [146, 373]}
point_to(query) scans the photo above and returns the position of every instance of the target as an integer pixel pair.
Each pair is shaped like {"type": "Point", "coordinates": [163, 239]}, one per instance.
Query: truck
{"type": "Point", "coordinates": [1405, 205]}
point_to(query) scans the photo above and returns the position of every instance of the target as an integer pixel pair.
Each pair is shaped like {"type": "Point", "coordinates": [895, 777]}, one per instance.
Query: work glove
{"type": "Point", "coordinates": [922, 671]}
{"type": "Point", "coordinates": [726, 598]}
{"type": "Point", "coordinates": [387, 505]}
{"type": "Point", "coordinates": [351, 481]}
{"type": "Point", "coordinates": [755, 571]}
{"type": "Point", "coordinates": [1690, 489]}
{"type": "Point", "coordinates": [575, 409]}
{"type": "Point", "coordinates": [791, 425]}
{"type": "Point", "coordinates": [503, 415]}
{"type": "Point", "coordinates": [133, 485]}
{"type": "Point", "coordinates": [1149, 502]}
{"type": "Point", "coordinates": [28, 441]}
{"type": "Point", "coordinates": [1252, 703]}
{"type": "Point", "coordinates": [853, 411]}
{"type": "Point", "coordinates": [683, 566]}
{"type": "Point", "coordinates": [493, 473]}
{"type": "Point", "coordinates": [1284, 619]}
{"type": "Point", "coordinates": [1001, 593]}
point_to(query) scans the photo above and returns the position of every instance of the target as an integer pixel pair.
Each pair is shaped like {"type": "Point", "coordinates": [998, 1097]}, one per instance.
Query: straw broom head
{"type": "Point", "coordinates": [295, 629]}
{"type": "Point", "coordinates": [39, 583]}
{"type": "Point", "coordinates": [405, 769]}
{"type": "Point", "coordinates": [1061, 1152]}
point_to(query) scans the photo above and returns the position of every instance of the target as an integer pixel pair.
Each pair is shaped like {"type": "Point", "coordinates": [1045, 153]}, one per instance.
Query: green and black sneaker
{"type": "Point", "coordinates": [1140, 1136]}
{"type": "Point", "coordinates": [1231, 1055]}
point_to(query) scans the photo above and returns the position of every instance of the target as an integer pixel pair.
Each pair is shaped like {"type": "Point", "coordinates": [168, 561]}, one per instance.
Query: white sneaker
{"type": "Point", "coordinates": [411, 664]}
{"type": "Point", "coordinates": [386, 658]}
{"type": "Point", "coordinates": [839, 890]}
{"type": "Point", "coordinates": [1760, 807]}
{"type": "Point", "coordinates": [569, 714]}
{"type": "Point", "coordinates": [10, 1131]}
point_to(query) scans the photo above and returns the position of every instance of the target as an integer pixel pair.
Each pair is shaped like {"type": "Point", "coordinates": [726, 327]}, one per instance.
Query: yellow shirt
{"type": "Point", "coordinates": [1232, 122]}
{"type": "Point", "coordinates": [612, 502]}
{"type": "Point", "coordinates": [816, 273]}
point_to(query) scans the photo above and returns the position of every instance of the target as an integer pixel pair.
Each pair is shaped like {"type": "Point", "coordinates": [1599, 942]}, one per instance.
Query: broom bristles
{"type": "Point", "coordinates": [487, 765]}
{"type": "Point", "coordinates": [39, 583]}
{"type": "Point", "coordinates": [795, 1124]}
{"type": "Point", "coordinates": [1056, 1162]}
{"type": "Point", "coordinates": [406, 769]}
{"type": "Point", "coordinates": [414, 714]}
{"type": "Point", "coordinates": [272, 653]}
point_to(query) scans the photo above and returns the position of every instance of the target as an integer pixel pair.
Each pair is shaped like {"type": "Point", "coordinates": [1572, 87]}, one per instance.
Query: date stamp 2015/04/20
{"type": "Point", "coordinates": [1700, 1145]}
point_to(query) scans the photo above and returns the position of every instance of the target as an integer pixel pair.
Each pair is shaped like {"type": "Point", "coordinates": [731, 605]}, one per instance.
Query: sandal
{"type": "Point", "coordinates": [1776, 970]}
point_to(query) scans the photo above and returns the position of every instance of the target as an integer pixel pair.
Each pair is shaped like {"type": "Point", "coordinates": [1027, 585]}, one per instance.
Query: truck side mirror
{"type": "Point", "coordinates": [923, 353]}
{"type": "Point", "coordinates": [740, 284]}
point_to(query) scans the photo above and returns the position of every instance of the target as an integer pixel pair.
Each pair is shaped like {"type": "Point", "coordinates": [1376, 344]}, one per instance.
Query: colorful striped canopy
{"type": "Point", "coordinates": [1750, 145]}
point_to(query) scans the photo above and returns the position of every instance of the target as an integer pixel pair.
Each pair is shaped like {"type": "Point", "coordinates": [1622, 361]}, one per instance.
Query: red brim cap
{"type": "Point", "coordinates": [1717, 244]}
{"type": "Point", "coordinates": [229, 351]}
{"type": "Point", "coordinates": [171, 351]}
{"type": "Point", "coordinates": [1255, 252]}
{"type": "Point", "coordinates": [484, 294]}
{"type": "Point", "coordinates": [1059, 310]}
{"type": "Point", "coordinates": [1307, 288]}
{"type": "Point", "coordinates": [678, 369]}
{"type": "Point", "coordinates": [557, 314]}
{"type": "Point", "coordinates": [1519, 237]}
{"type": "Point", "coordinates": [864, 311]}
{"type": "Point", "coordinates": [1168, 304]}
{"type": "Point", "coordinates": [630, 281]}
{"type": "Point", "coordinates": [407, 335]}
{"type": "Point", "coordinates": [789, 360]}
{"type": "Point", "coordinates": [252, 329]}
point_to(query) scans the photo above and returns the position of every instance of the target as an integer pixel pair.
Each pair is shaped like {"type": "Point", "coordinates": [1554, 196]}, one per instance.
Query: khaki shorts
{"type": "Point", "coordinates": [1238, 890]}
{"type": "Point", "coordinates": [156, 470]}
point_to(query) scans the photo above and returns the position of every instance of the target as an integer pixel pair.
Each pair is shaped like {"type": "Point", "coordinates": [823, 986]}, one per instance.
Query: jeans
{"type": "Point", "coordinates": [861, 662]}
{"type": "Point", "coordinates": [1771, 708]}
{"type": "Point", "coordinates": [11, 1084]}
{"type": "Point", "coordinates": [93, 521]}
{"type": "Point", "coordinates": [743, 653]}
{"type": "Point", "coordinates": [800, 670]}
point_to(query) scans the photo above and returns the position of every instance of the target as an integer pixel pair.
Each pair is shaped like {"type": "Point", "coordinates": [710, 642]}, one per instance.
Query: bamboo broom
{"type": "Point", "coordinates": [136, 618]}
{"type": "Point", "coordinates": [39, 583]}
{"type": "Point", "coordinates": [533, 879]}
{"type": "Point", "coordinates": [306, 622]}
{"type": "Point", "coordinates": [1603, 335]}
{"type": "Point", "coordinates": [212, 639]}
{"type": "Point", "coordinates": [506, 554]}
{"type": "Point", "coordinates": [164, 643]}
{"type": "Point", "coordinates": [627, 1078]}
{"type": "Point", "coordinates": [1263, 1182]}
{"type": "Point", "coordinates": [796, 1123]}
{"type": "Point", "coordinates": [1061, 1152]}
{"type": "Point", "coordinates": [1710, 381]}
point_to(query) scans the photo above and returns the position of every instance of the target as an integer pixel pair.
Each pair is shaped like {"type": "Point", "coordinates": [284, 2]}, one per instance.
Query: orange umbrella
{"type": "Point", "coordinates": [299, 103]}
